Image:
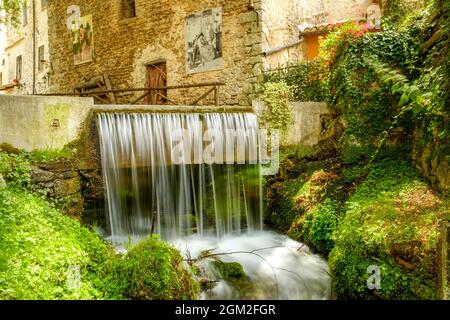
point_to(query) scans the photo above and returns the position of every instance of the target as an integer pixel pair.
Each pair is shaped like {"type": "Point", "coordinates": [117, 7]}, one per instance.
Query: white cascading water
{"type": "Point", "coordinates": [201, 206]}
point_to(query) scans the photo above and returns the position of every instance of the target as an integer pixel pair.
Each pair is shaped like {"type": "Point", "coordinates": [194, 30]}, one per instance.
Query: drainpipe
{"type": "Point", "coordinates": [34, 46]}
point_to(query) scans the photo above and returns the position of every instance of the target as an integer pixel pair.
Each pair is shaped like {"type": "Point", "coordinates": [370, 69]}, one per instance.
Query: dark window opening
{"type": "Point", "coordinates": [19, 67]}
{"type": "Point", "coordinates": [128, 9]}
{"type": "Point", "coordinates": [41, 58]}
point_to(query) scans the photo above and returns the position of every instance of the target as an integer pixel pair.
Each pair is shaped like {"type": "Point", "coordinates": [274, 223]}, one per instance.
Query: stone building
{"type": "Point", "coordinates": [2, 54]}
{"type": "Point", "coordinates": [160, 43]}
{"type": "Point", "coordinates": [20, 72]}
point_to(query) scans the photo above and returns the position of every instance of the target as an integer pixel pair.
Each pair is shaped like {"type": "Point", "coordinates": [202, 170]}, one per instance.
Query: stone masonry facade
{"type": "Point", "coordinates": [20, 43]}
{"type": "Point", "coordinates": [123, 47]}
{"type": "Point", "coordinates": [250, 29]}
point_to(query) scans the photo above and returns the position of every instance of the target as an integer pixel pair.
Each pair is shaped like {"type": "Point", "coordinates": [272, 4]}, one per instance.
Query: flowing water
{"type": "Point", "coordinates": [195, 180]}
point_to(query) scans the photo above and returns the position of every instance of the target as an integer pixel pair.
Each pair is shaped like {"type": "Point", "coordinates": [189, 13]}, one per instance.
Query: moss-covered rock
{"type": "Point", "coordinates": [152, 270]}
{"type": "Point", "coordinates": [229, 270]}
{"type": "Point", "coordinates": [392, 222]}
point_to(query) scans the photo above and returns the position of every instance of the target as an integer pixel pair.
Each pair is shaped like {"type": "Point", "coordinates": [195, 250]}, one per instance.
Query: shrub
{"type": "Point", "coordinates": [307, 80]}
{"type": "Point", "coordinates": [278, 112]}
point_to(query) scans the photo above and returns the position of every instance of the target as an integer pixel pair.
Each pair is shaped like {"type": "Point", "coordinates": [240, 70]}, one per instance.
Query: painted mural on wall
{"type": "Point", "coordinates": [83, 40]}
{"type": "Point", "coordinates": [203, 40]}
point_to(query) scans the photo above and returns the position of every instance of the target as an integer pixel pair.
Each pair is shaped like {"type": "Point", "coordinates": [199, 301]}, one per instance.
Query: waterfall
{"type": "Point", "coordinates": [195, 179]}
{"type": "Point", "coordinates": [177, 174]}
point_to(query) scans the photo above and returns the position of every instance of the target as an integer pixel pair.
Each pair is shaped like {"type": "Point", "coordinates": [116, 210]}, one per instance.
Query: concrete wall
{"type": "Point", "coordinates": [307, 127]}
{"type": "Point", "coordinates": [32, 122]}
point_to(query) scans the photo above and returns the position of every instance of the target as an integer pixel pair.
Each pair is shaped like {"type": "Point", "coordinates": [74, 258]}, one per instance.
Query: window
{"type": "Point", "coordinates": [24, 14]}
{"type": "Point", "coordinates": [128, 9]}
{"type": "Point", "coordinates": [41, 58]}
{"type": "Point", "coordinates": [19, 67]}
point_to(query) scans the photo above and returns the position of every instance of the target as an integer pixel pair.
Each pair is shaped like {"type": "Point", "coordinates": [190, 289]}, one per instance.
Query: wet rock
{"type": "Point", "coordinates": [38, 175]}
{"type": "Point", "coordinates": [66, 187]}
{"type": "Point", "coordinates": [69, 174]}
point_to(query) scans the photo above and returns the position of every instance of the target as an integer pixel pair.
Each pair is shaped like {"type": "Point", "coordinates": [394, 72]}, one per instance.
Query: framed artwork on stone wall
{"type": "Point", "coordinates": [203, 41]}
{"type": "Point", "coordinates": [83, 40]}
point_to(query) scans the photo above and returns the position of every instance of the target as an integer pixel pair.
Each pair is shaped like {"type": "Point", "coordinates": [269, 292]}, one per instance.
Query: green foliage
{"type": "Point", "coordinates": [307, 80]}
{"type": "Point", "coordinates": [15, 170]}
{"type": "Point", "coordinates": [11, 10]}
{"type": "Point", "coordinates": [38, 245]}
{"type": "Point", "coordinates": [48, 155]}
{"type": "Point", "coordinates": [278, 112]}
{"type": "Point", "coordinates": [377, 227]}
{"type": "Point", "coordinates": [153, 270]}
{"type": "Point", "coordinates": [394, 11]}
{"type": "Point", "coordinates": [366, 105]}
{"type": "Point", "coordinates": [330, 46]}
{"type": "Point", "coordinates": [321, 223]}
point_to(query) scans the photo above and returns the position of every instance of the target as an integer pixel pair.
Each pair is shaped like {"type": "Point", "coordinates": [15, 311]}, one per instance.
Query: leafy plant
{"type": "Point", "coordinates": [15, 170]}
{"type": "Point", "coordinates": [278, 112]}
{"type": "Point", "coordinates": [308, 80]}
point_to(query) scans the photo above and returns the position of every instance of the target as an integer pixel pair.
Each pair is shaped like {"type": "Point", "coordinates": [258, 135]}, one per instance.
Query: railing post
{"type": "Point", "coordinates": [216, 95]}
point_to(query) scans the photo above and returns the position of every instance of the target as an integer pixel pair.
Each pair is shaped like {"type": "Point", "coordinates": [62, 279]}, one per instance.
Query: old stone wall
{"type": "Point", "coordinates": [123, 47]}
{"type": "Point", "coordinates": [60, 182]}
{"type": "Point", "coordinates": [431, 158]}
{"type": "Point", "coordinates": [20, 43]}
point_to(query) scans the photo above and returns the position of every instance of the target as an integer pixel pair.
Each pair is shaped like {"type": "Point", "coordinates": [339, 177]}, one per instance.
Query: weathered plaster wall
{"type": "Point", "coordinates": [280, 28]}
{"type": "Point", "coordinates": [281, 21]}
{"type": "Point", "coordinates": [3, 56]}
{"type": "Point", "coordinates": [122, 47]}
{"type": "Point", "coordinates": [20, 42]}
{"type": "Point", "coordinates": [307, 126]}
{"type": "Point", "coordinates": [28, 122]}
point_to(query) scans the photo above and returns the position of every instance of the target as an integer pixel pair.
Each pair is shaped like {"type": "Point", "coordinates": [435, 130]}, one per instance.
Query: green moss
{"type": "Point", "coordinates": [152, 270]}
{"type": "Point", "coordinates": [229, 270]}
{"type": "Point", "coordinates": [391, 222]}
{"type": "Point", "coordinates": [7, 148]}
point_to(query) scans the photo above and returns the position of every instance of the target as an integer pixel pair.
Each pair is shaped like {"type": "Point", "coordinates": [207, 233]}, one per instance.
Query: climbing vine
{"type": "Point", "coordinates": [278, 112]}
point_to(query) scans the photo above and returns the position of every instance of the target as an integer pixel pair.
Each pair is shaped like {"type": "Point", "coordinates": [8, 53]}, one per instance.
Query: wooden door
{"type": "Point", "coordinates": [156, 77]}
